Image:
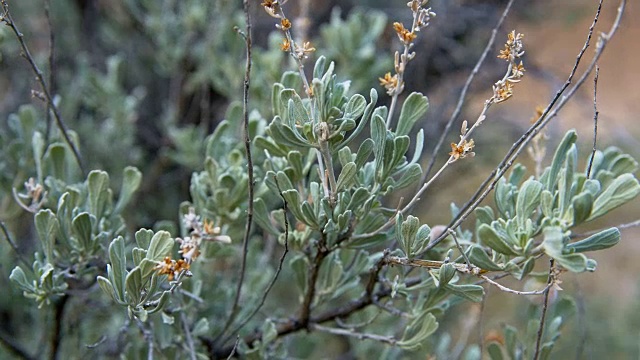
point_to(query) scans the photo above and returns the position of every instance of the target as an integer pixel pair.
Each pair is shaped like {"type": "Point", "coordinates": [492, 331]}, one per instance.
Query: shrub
{"type": "Point", "coordinates": [297, 229]}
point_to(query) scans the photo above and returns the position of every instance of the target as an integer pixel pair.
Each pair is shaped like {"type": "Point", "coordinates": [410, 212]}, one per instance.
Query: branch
{"type": "Point", "coordinates": [595, 121]}
{"type": "Point", "coordinates": [247, 142]}
{"type": "Point", "coordinates": [350, 332]}
{"type": "Point", "coordinates": [487, 186]}
{"type": "Point", "coordinates": [294, 325]}
{"type": "Point", "coordinates": [189, 338]}
{"type": "Point", "coordinates": [7, 19]}
{"type": "Point", "coordinates": [278, 270]}
{"type": "Point", "coordinates": [544, 307]}
{"type": "Point", "coordinates": [14, 246]}
{"type": "Point", "coordinates": [463, 93]}
{"type": "Point", "coordinates": [58, 321]}
{"type": "Point", "coordinates": [13, 347]}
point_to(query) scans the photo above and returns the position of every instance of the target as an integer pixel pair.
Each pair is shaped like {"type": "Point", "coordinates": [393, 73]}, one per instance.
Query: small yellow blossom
{"type": "Point", "coordinates": [463, 150]}
{"type": "Point", "coordinates": [502, 91]}
{"type": "Point", "coordinates": [506, 53]}
{"type": "Point", "coordinates": [171, 268]}
{"type": "Point", "coordinates": [286, 45]}
{"type": "Point", "coordinates": [285, 24]}
{"type": "Point", "coordinates": [389, 82]}
{"type": "Point", "coordinates": [405, 35]}
{"type": "Point", "coordinates": [302, 52]}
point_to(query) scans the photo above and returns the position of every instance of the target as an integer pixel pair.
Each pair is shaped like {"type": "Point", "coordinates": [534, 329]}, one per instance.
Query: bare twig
{"type": "Point", "coordinates": [635, 223]}
{"type": "Point", "coordinates": [58, 322]}
{"type": "Point", "coordinates": [464, 255]}
{"type": "Point", "coordinates": [516, 292]}
{"type": "Point", "coordinates": [463, 93]}
{"type": "Point", "coordinates": [350, 332]}
{"type": "Point", "coordinates": [187, 334]}
{"type": "Point", "coordinates": [13, 347]}
{"type": "Point", "coordinates": [487, 186]}
{"type": "Point", "coordinates": [13, 245]}
{"type": "Point", "coordinates": [595, 121]}
{"type": "Point", "coordinates": [247, 142]}
{"type": "Point", "coordinates": [235, 348]}
{"type": "Point", "coordinates": [52, 70]}
{"type": "Point", "coordinates": [7, 19]}
{"type": "Point", "coordinates": [545, 304]}
{"type": "Point", "coordinates": [278, 270]}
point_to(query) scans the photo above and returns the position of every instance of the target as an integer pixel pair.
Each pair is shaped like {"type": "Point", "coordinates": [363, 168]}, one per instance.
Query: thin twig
{"type": "Point", "coordinates": [350, 332]}
{"type": "Point", "coordinates": [14, 246]}
{"type": "Point", "coordinates": [235, 348]}
{"type": "Point", "coordinates": [52, 70]}
{"type": "Point", "coordinates": [483, 303]}
{"type": "Point", "coordinates": [464, 255]}
{"type": "Point", "coordinates": [187, 334]}
{"type": "Point", "coordinates": [7, 19]}
{"type": "Point", "coordinates": [635, 223]}
{"type": "Point", "coordinates": [278, 270]}
{"type": "Point", "coordinates": [463, 93]}
{"type": "Point", "coordinates": [595, 121]}
{"type": "Point", "coordinates": [545, 304]}
{"type": "Point", "coordinates": [490, 182]}
{"type": "Point", "coordinates": [58, 322]}
{"type": "Point", "coordinates": [516, 292]}
{"type": "Point", "coordinates": [247, 143]}
{"type": "Point", "coordinates": [13, 347]}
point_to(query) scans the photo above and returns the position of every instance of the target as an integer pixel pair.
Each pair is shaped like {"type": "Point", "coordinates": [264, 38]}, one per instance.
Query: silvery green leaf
{"type": "Point", "coordinates": [355, 107]}
{"type": "Point", "coordinates": [591, 265]}
{"type": "Point", "coordinates": [510, 340]}
{"type": "Point", "coordinates": [56, 158]}
{"type": "Point", "coordinates": [99, 193]}
{"type": "Point", "coordinates": [300, 266]}
{"type": "Point", "coordinates": [277, 108]}
{"type": "Point", "coordinates": [446, 274]}
{"type": "Point", "coordinates": [319, 67]}
{"type": "Point", "coordinates": [379, 137]}
{"type": "Point", "coordinates": [365, 119]}
{"type": "Point", "coordinates": [417, 331]}
{"type": "Point", "coordinates": [291, 100]}
{"type": "Point", "coordinates": [602, 240]}
{"type": "Point", "coordinates": [269, 332]}
{"type": "Point", "coordinates": [82, 229]}
{"type": "Point", "coordinates": [162, 302]}
{"type": "Point", "coordinates": [160, 246]}
{"type": "Point", "coordinates": [266, 144]}
{"type": "Point", "coordinates": [484, 214]}
{"type": "Point", "coordinates": [528, 200]}
{"type": "Point", "coordinates": [18, 276]}
{"type": "Point", "coordinates": [106, 287]}
{"type": "Point", "coordinates": [138, 255]}
{"type": "Point", "coordinates": [133, 285]}
{"type": "Point", "coordinates": [582, 205]}
{"type": "Point", "coordinates": [623, 164]}
{"type": "Point", "coordinates": [346, 177]}
{"type": "Point", "coordinates": [479, 258]}
{"type": "Point", "coordinates": [547, 203]}
{"type": "Point", "coordinates": [284, 182]}
{"type": "Point", "coordinates": [118, 266]}
{"type": "Point", "coordinates": [47, 227]}
{"type": "Point", "coordinates": [517, 174]}
{"type": "Point", "coordinates": [400, 146]}
{"type": "Point", "coordinates": [417, 152]}
{"type": "Point", "coordinates": [414, 107]}
{"type": "Point", "coordinates": [408, 235]}
{"type": "Point", "coordinates": [624, 188]}
{"type": "Point", "coordinates": [410, 175]}
{"type": "Point", "coordinates": [143, 238]}
{"type": "Point", "coordinates": [489, 237]}
{"type": "Point", "coordinates": [345, 156]}
{"type": "Point", "coordinates": [559, 158]}
{"type": "Point", "coordinates": [131, 180]}
{"type": "Point", "coordinates": [147, 267]}
{"type": "Point", "coordinates": [364, 151]}
{"type": "Point", "coordinates": [471, 292]}
{"type": "Point", "coordinates": [554, 245]}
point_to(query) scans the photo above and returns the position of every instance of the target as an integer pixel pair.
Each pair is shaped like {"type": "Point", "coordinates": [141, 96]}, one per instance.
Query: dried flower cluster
{"type": "Point", "coordinates": [273, 8]}
{"type": "Point", "coordinates": [465, 147]}
{"type": "Point", "coordinates": [35, 195]}
{"type": "Point", "coordinates": [190, 245]}
{"type": "Point", "coordinates": [421, 18]}
{"type": "Point", "coordinates": [503, 89]}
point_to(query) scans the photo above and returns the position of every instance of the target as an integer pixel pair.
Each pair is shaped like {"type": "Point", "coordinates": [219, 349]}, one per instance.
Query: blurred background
{"type": "Point", "coordinates": [154, 78]}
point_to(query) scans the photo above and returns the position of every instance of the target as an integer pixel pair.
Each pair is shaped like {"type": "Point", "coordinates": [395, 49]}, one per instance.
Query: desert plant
{"type": "Point", "coordinates": [296, 228]}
